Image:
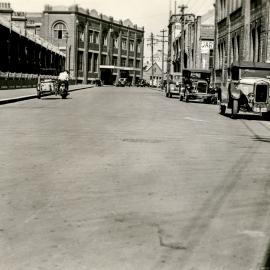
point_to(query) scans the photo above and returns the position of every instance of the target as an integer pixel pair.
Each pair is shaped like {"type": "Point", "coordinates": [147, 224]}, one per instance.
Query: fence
{"type": "Point", "coordinates": [10, 80]}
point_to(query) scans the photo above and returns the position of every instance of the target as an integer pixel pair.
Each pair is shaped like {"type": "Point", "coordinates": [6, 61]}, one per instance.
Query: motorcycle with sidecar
{"type": "Point", "coordinates": [51, 87]}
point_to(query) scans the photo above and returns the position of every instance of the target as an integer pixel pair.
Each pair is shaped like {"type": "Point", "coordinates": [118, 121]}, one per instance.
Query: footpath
{"type": "Point", "coordinates": [15, 95]}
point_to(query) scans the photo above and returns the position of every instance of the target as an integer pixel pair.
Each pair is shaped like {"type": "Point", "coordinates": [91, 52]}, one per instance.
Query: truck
{"type": "Point", "coordinates": [196, 85]}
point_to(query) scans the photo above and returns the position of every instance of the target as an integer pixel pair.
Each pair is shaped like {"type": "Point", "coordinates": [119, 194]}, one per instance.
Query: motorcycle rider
{"type": "Point", "coordinates": [63, 78]}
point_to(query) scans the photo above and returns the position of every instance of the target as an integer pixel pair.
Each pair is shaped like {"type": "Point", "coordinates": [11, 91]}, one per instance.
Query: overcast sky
{"type": "Point", "coordinates": [152, 14]}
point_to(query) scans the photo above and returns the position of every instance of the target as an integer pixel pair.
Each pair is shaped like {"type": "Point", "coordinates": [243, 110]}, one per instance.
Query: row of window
{"type": "Point", "coordinates": [232, 5]}
{"type": "Point", "coordinates": [255, 46]}
{"type": "Point", "coordinates": [60, 32]}
{"type": "Point", "coordinates": [93, 62]}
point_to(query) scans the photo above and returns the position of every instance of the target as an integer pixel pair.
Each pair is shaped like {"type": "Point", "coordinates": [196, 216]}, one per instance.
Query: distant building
{"type": "Point", "coordinates": [242, 34]}
{"type": "Point", "coordinates": [97, 46]}
{"type": "Point", "coordinates": [198, 43]}
{"type": "Point", "coordinates": [155, 76]}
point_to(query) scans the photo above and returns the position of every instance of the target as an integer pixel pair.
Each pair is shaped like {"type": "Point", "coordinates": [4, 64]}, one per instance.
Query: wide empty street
{"type": "Point", "coordinates": [124, 178]}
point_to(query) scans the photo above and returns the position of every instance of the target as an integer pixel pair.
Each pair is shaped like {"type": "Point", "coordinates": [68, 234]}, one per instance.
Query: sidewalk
{"type": "Point", "coordinates": [14, 95]}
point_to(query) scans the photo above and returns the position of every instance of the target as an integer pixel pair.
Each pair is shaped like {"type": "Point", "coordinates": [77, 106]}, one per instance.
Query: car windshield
{"type": "Point", "coordinates": [246, 88]}
{"type": "Point", "coordinates": [202, 87]}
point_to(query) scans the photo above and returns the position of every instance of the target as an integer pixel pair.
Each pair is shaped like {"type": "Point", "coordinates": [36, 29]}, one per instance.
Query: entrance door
{"type": "Point", "coordinates": [107, 76]}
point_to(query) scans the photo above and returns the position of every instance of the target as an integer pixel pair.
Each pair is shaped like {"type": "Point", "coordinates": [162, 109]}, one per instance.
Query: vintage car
{"type": "Point", "coordinates": [196, 86]}
{"type": "Point", "coordinates": [95, 82]}
{"type": "Point", "coordinates": [141, 83]}
{"type": "Point", "coordinates": [173, 84]}
{"type": "Point", "coordinates": [247, 89]}
{"type": "Point", "coordinates": [122, 82]}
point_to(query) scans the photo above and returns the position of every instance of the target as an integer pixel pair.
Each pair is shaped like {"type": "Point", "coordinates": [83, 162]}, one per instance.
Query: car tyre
{"type": "Point", "coordinates": [235, 108]}
{"type": "Point", "coordinates": [222, 109]}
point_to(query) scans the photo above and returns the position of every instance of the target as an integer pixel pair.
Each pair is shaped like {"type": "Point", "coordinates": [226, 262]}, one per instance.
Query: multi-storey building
{"type": "Point", "coordinates": [97, 46]}
{"type": "Point", "coordinates": [198, 40]}
{"type": "Point", "coordinates": [241, 34]}
{"type": "Point", "coordinates": [23, 52]}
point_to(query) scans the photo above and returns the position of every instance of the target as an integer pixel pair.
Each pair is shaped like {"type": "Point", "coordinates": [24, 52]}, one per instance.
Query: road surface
{"type": "Point", "coordinates": [124, 178]}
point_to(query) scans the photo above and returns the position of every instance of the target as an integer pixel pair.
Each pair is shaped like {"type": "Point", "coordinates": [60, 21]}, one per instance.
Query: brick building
{"type": "Point", "coordinates": [97, 46]}
{"type": "Point", "coordinates": [198, 38]}
{"type": "Point", "coordinates": [241, 34]}
{"type": "Point", "coordinates": [21, 51]}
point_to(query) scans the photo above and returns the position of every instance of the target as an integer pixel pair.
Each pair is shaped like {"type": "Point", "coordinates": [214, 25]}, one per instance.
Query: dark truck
{"type": "Point", "coordinates": [195, 85]}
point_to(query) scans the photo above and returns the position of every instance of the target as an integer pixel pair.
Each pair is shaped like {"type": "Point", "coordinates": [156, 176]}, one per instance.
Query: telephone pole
{"type": "Point", "coordinates": [163, 31]}
{"type": "Point", "coordinates": [152, 56]}
{"type": "Point", "coordinates": [182, 10]}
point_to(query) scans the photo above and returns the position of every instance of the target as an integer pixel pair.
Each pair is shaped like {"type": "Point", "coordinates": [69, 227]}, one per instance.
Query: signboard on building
{"type": "Point", "coordinates": [206, 46]}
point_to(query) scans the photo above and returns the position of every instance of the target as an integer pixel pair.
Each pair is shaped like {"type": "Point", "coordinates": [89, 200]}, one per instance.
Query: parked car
{"type": "Point", "coordinates": [172, 88]}
{"type": "Point", "coordinates": [141, 83]}
{"type": "Point", "coordinates": [122, 82]}
{"type": "Point", "coordinates": [96, 82]}
{"type": "Point", "coordinates": [173, 85]}
{"type": "Point", "coordinates": [247, 89]}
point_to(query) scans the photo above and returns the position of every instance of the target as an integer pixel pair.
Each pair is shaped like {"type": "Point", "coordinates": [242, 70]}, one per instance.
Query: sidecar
{"type": "Point", "coordinates": [46, 87]}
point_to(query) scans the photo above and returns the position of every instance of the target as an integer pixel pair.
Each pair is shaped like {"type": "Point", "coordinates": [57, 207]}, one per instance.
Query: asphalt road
{"type": "Point", "coordinates": [124, 178]}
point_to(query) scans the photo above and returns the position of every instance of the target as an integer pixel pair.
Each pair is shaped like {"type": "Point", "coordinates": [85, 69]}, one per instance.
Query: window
{"type": "Point", "coordinates": [81, 36]}
{"type": "Point", "coordinates": [211, 58]}
{"type": "Point", "coordinates": [91, 36]}
{"type": "Point", "coordinates": [114, 61]}
{"type": "Point", "coordinates": [233, 50]}
{"type": "Point", "coordinates": [255, 4]}
{"type": "Point", "coordinates": [90, 62]}
{"type": "Point", "coordinates": [259, 44]}
{"type": "Point", "coordinates": [131, 46]}
{"type": "Point", "coordinates": [103, 59]}
{"type": "Point", "coordinates": [105, 40]}
{"type": "Point", "coordinates": [95, 62]}
{"type": "Point", "coordinates": [96, 37]}
{"type": "Point", "coordinates": [123, 62]}
{"type": "Point", "coordinates": [130, 62]}
{"type": "Point", "coordinates": [138, 48]}
{"type": "Point", "coordinates": [59, 30]}
{"type": "Point", "coordinates": [124, 44]}
{"type": "Point", "coordinates": [115, 43]}
{"type": "Point", "coordinates": [80, 60]}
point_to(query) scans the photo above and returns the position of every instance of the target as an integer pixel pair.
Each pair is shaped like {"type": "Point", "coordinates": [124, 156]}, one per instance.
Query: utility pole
{"type": "Point", "coordinates": [152, 56]}
{"type": "Point", "coordinates": [163, 31]}
{"type": "Point", "coordinates": [182, 10]}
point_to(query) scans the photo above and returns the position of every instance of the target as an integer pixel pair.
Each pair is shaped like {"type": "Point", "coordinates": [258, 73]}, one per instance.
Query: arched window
{"type": "Point", "coordinates": [59, 30]}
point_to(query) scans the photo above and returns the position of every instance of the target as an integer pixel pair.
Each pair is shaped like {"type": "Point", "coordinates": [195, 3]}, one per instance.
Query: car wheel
{"type": "Point", "coordinates": [235, 108]}
{"type": "Point", "coordinates": [222, 109]}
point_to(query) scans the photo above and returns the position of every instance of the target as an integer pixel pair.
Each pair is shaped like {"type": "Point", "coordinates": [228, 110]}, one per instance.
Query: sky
{"type": "Point", "coordinates": [152, 14]}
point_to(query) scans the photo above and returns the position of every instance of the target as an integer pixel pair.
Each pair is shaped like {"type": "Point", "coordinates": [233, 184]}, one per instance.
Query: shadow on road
{"type": "Point", "coordinates": [266, 263]}
{"type": "Point", "coordinates": [250, 117]}
{"type": "Point", "coordinates": [54, 98]}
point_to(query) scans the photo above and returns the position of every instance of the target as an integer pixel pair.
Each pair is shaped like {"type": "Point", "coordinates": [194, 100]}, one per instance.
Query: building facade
{"type": "Point", "coordinates": [241, 34]}
{"type": "Point", "coordinates": [21, 51]}
{"type": "Point", "coordinates": [198, 40]}
{"type": "Point", "coordinates": [153, 74]}
{"type": "Point", "coordinates": [97, 46]}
